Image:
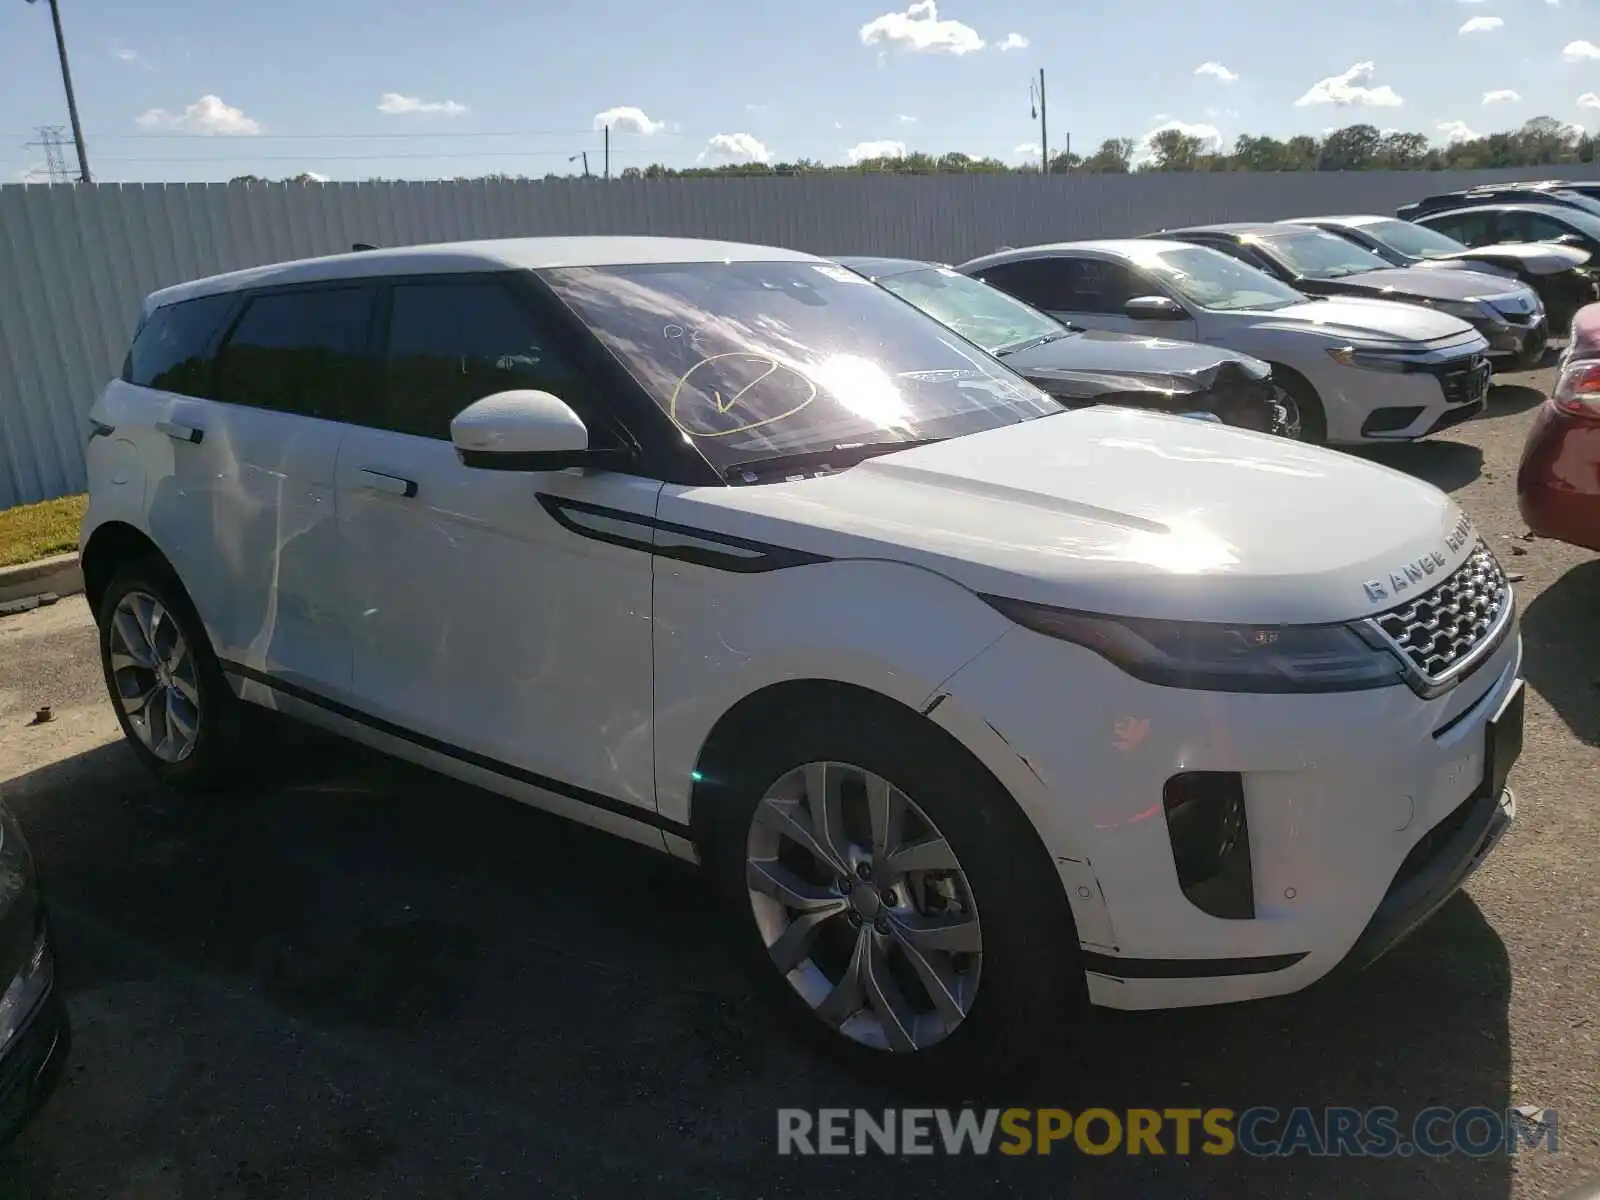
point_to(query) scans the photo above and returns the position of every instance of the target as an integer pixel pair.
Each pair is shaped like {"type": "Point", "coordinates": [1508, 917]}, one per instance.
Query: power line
{"type": "Point", "coordinates": [300, 158]}
{"type": "Point", "coordinates": [351, 137]}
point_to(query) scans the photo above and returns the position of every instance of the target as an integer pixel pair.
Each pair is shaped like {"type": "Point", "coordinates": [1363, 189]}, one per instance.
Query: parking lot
{"type": "Point", "coordinates": [360, 979]}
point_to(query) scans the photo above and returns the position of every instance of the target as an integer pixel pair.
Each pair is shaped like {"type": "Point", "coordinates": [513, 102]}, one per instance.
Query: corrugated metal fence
{"type": "Point", "coordinates": [76, 260]}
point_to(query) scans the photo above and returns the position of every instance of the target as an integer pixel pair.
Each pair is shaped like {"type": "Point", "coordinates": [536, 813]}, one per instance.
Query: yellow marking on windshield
{"type": "Point", "coordinates": [723, 405]}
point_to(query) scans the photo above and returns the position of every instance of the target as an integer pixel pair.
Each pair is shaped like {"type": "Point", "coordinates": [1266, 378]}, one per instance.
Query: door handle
{"type": "Point", "coordinates": [382, 481]}
{"type": "Point", "coordinates": [180, 432]}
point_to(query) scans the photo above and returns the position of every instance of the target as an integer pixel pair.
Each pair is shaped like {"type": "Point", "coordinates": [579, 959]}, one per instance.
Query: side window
{"type": "Point", "coordinates": [1475, 228]}
{"type": "Point", "coordinates": [453, 343]}
{"type": "Point", "coordinates": [1544, 229]}
{"type": "Point", "coordinates": [171, 351]}
{"type": "Point", "coordinates": [1099, 286]}
{"type": "Point", "coordinates": [300, 352]}
{"type": "Point", "coordinates": [1041, 282]}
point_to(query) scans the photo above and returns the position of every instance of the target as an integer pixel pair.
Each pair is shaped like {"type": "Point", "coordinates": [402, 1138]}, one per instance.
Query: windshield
{"type": "Point", "coordinates": [973, 309]}
{"type": "Point", "coordinates": [1317, 254]}
{"type": "Point", "coordinates": [1214, 280]}
{"type": "Point", "coordinates": [754, 360]}
{"type": "Point", "coordinates": [1414, 241]}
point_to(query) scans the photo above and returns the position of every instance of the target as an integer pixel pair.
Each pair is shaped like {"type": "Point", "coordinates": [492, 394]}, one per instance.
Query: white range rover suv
{"type": "Point", "coordinates": [973, 706]}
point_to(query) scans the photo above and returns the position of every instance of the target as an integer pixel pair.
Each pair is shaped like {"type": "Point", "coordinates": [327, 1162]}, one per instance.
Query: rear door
{"type": "Point", "coordinates": [1087, 291]}
{"type": "Point", "coordinates": [245, 506]}
{"type": "Point", "coordinates": [484, 628]}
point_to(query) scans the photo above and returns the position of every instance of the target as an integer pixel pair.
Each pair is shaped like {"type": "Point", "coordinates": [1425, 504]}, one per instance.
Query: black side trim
{"type": "Point", "coordinates": [470, 757]}
{"type": "Point", "coordinates": [1187, 968]}
{"type": "Point", "coordinates": [698, 546]}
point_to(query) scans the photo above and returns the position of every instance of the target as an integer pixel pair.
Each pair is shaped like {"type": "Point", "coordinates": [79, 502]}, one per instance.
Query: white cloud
{"type": "Point", "coordinates": [1217, 71]}
{"type": "Point", "coordinates": [1027, 150]}
{"type": "Point", "coordinates": [1580, 51]}
{"type": "Point", "coordinates": [905, 118]}
{"type": "Point", "coordinates": [1210, 137]}
{"type": "Point", "coordinates": [741, 146]}
{"type": "Point", "coordinates": [1013, 41]}
{"type": "Point", "coordinates": [1589, 100]}
{"type": "Point", "coordinates": [396, 105]}
{"type": "Point", "coordinates": [316, 177]}
{"type": "Point", "coordinates": [920, 31]}
{"type": "Point", "coordinates": [1501, 96]}
{"type": "Point", "coordinates": [1457, 131]}
{"type": "Point", "coordinates": [883, 148]}
{"type": "Point", "coordinates": [206, 115]}
{"type": "Point", "coordinates": [1481, 25]}
{"type": "Point", "coordinates": [125, 54]}
{"type": "Point", "coordinates": [627, 119]}
{"type": "Point", "coordinates": [1350, 88]}
{"type": "Point", "coordinates": [838, 124]}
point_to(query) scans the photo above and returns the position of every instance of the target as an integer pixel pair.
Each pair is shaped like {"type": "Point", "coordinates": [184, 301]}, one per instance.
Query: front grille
{"type": "Point", "coordinates": [1444, 627]}
{"type": "Point", "coordinates": [1464, 379]}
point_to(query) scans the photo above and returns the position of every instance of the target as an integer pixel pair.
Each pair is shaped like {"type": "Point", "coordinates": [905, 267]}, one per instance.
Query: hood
{"type": "Point", "coordinates": [1374, 322]}
{"type": "Point", "coordinates": [1097, 362]}
{"type": "Point", "coordinates": [1121, 511]}
{"type": "Point", "coordinates": [1537, 258]}
{"type": "Point", "coordinates": [1398, 282]}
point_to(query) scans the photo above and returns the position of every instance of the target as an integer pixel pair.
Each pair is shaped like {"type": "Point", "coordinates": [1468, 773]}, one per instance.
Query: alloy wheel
{"type": "Point", "coordinates": [154, 676]}
{"type": "Point", "coordinates": [864, 907]}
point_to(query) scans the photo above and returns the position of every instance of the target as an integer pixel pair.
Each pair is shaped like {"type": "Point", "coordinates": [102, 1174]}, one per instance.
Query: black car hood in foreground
{"type": "Point", "coordinates": [1398, 283]}
{"type": "Point", "coordinates": [1093, 364]}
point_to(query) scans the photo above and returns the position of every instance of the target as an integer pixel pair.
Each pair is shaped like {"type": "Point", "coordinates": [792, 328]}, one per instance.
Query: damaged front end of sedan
{"type": "Point", "coordinates": [1232, 391]}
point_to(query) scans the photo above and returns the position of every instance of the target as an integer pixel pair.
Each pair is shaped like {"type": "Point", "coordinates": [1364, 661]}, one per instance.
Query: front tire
{"type": "Point", "coordinates": [894, 902]}
{"type": "Point", "coordinates": [166, 686]}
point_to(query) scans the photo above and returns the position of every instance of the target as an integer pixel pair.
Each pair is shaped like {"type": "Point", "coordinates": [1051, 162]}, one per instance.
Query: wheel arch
{"type": "Point", "coordinates": [1313, 413]}
{"type": "Point", "coordinates": [111, 547]}
{"type": "Point", "coordinates": [780, 701]}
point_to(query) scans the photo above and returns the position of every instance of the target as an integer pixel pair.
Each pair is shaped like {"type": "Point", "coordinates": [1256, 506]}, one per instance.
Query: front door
{"type": "Point", "coordinates": [1086, 291]}
{"type": "Point", "coordinates": [481, 625]}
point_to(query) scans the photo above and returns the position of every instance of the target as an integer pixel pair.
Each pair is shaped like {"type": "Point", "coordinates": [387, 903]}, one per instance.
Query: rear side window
{"type": "Point", "coordinates": [1041, 282]}
{"type": "Point", "coordinates": [171, 351]}
{"type": "Point", "coordinates": [300, 352]}
{"type": "Point", "coordinates": [453, 343]}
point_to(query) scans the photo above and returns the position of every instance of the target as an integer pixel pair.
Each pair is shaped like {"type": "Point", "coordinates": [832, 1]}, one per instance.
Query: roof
{"type": "Point", "coordinates": [1354, 220]}
{"type": "Point", "coordinates": [1561, 211]}
{"type": "Point", "coordinates": [1239, 228]}
{"type": "Point", "coordinates": [881, 268]}
{"type": "Point", "coordinates": [1119, 247]}
{"type": "Point", "coordinates": [499, 254]}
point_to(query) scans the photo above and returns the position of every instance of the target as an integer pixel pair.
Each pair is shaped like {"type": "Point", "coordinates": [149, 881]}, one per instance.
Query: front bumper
{"type": "Point", "coordinates": [1339, 791]}
{"type": "Point", "coordinates": [1507, 340]}
{"type": "Point", "coordinates": [33, 1060]}
{"type": "Point", "coordinates": [1376, 406]}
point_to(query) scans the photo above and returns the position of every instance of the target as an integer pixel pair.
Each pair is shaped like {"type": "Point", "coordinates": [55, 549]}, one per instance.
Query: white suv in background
{"type": "Point", "coordinates": [1360, 370]}
{"type": "Point", "coordinates": [974, 707]}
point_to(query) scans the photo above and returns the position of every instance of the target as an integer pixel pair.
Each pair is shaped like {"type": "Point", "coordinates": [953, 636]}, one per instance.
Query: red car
{"type": "Point", "coordinates": [1558, 484]}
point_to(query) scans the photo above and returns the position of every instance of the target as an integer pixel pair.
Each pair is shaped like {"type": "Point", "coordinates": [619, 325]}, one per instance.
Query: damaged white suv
{"type": "Point", "coordinates": [973, 706]}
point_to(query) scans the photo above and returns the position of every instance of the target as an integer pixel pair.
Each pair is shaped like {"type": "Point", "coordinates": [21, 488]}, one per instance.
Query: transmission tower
{"type": "Point", "coordinates": [53, 140]}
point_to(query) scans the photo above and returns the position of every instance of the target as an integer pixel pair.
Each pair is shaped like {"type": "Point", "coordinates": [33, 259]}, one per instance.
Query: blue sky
{"type": "Point", "coordinates": [351, 89]}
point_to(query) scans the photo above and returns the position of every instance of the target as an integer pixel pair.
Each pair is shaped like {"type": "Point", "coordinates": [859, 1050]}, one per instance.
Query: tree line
{"type": "Point", "coordinates": [1543, 141]}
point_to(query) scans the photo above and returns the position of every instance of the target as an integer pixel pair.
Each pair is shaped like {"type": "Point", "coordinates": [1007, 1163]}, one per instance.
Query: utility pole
{"type": "Point", "coordinates": [1041, 114]}
{"type": "Point", "coordinates": [583, 154]}
{"type": "Point", "coordinates": [72, 100]}
{"type": "Point", "coordinates": [608, 152]}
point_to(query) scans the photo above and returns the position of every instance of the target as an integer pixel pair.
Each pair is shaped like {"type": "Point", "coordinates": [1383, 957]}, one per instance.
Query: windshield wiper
{"type": "Point", "coordinates": [1042, 340]}
{"type": "Point", "coordinates": [845, 454]}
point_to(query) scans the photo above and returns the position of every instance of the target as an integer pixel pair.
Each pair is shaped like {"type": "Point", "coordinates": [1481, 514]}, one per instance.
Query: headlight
{"type": "Point", "coordinates": [1349, 356]}
{"type": "Point", "coordinates": [1219, 658]}
{"type": "Point", "coordinates": [1467, 310]}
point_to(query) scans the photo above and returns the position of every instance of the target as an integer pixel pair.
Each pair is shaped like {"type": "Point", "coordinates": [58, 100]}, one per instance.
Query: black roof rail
{"type": "Point", "coordinates": [358, 246]}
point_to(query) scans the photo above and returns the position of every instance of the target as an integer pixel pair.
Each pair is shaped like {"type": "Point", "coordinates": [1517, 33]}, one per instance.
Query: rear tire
{"type": "Point", "coordinates": [166, 686]}
{"type": "Point", "coordinates": [995, 934]}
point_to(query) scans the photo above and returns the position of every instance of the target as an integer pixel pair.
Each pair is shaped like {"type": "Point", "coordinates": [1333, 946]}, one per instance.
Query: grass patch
{"type": "Point", "coordinates": [40, 530]}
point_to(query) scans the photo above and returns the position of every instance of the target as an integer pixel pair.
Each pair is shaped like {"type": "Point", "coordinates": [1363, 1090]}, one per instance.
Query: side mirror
{"type": "Point", "coordinates": [521, 431]}
{"type": "Point", "coordinates": [1154, 308]}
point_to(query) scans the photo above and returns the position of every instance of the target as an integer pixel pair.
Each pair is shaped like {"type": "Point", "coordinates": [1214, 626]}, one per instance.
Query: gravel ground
{"type": "Point", "coordinates": [362, 980]}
